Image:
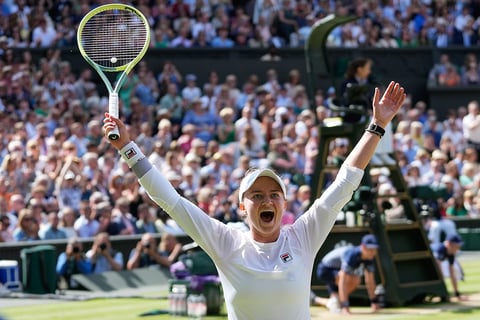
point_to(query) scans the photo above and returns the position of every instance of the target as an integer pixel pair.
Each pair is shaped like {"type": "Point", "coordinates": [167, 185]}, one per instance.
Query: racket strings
{"type": "Point", "coordinates": [114, 38]}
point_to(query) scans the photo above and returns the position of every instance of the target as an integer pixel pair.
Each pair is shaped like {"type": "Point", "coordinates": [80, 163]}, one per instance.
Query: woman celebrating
{"type": "Point", "coordinates": [266, 271]}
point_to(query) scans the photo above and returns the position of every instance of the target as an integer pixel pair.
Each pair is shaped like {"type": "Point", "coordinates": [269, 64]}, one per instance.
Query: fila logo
{"type": "Point", "coordinates": [130, 153]}
{"type": "Point", "coordinates": [286, 257]}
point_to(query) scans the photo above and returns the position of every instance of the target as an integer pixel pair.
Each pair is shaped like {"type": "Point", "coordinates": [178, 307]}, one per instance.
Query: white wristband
{"type": "Point", "coordinates": [131, 153]}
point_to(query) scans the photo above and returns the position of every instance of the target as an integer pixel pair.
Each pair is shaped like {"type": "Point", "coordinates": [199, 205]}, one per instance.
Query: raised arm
{"type": "Point", "coordinates": [384, 109]}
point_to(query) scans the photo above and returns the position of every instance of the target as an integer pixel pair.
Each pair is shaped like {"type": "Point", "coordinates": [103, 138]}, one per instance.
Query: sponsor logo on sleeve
{"type": "Point", "coordinates": [130, 153]}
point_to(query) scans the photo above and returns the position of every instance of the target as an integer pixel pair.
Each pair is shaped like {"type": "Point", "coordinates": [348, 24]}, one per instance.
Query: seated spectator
{"type": "Point", "coordinates": [86, 225]}
{"type": "Point", "coordinates": [455, 207]}
{"type": "Point", "coordinates": [146, 254]}
{"type": "Point", "coordinates": [451, 77]}
{"type": "Point", "coordinates": [439, 69]}
{"type": "Point", "coordinates": [467, 175]}
{"type": "Point", "coordinates": [170, 247]}
{"type": "Point", "coordinates": [145, 221]}
{"type": "Point", "coordinates": [222, 40]}
{"type": "Point", "coordinates": [27, 228]}
{"type": "Point", "coordinates": [122, 217]}
{"type": "Point", "coordinates": [51, 230]}
{"type": "Point", "coordinates": [67, 222]}
{"type": "Point", "coordinates": [470, 71]}
{"type": "Point", "coordinates": [471, 203]}
{"type": "Point", "coordinates": [5, 233]}
{"type": "Point", "coordinates": [102, 256]}
{"type": "Point", "coordinates": [205, 123]}
{"type": "Point", "coordinates": [72, 261]}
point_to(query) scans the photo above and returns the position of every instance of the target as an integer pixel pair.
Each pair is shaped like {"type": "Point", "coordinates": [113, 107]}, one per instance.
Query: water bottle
{"type": "Point", "coordinates": [350, 218]}
{"type": "Point", "coordinates": [201, 306]}
{"type": "Point", "coordinates": [182, 301]}
{"type": "Point", "coordinates": [192, 306]}
{"type": "Point", "coordinates": [172, 303]}
{"type": "Point", "coordinates": [177, 300]}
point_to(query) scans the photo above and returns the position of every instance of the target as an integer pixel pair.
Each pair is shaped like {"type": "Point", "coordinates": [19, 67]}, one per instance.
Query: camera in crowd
{"type": "Point", "coordinates": [76, 249]}
{"type": "Point", "coordinates": [103, 246]}
{"type": "Point", "coordinates": [146, 245]}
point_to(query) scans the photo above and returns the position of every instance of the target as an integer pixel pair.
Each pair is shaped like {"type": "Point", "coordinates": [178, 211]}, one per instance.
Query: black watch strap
{"type": "Point", "coordinates": [375, 129]}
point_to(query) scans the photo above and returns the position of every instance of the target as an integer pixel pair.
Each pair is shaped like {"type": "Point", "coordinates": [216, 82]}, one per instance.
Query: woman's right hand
{"type": "Point", "coordinates": [109, 124]}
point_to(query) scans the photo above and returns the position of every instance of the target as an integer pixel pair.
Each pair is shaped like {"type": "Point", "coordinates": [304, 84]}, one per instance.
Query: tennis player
{"type": "Point", "coordinates": [265, 272]}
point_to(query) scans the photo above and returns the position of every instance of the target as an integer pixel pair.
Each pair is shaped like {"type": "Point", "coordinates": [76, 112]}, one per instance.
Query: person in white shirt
{"type": "Point", "coordinates": [471, 125]}
{"type": "Point", "coordinates": [266, 271]}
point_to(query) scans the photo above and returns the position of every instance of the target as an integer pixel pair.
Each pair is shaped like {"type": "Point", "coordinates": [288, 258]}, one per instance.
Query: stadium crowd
{"type": "Point", "coordinates": [58, 172]}
{"type": "Point", "coordinates": [255, 23]}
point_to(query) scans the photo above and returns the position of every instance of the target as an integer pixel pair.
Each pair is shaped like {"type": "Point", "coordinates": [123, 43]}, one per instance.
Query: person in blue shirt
{"type": "Point", "coordinates": [102, 256]}
{"type": "Point", "coordinates": [72, 261]}
{"type": "Point", "coordinates": [341, 270]}
{"type": "Point", "coordinates": [222, 40]}
{"type": "Point", "coordinates": [446, 251]}
{"type": "Point", "coordinates": [51, 231]}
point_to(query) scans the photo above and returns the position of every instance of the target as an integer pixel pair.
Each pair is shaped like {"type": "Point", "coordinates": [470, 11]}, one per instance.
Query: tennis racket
{"type": "Point", "coordinates": [113, 38]}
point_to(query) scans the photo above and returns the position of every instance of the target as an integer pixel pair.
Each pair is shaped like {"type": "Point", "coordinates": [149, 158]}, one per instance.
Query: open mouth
{"type": "Point", "coordinates": [267, 216]}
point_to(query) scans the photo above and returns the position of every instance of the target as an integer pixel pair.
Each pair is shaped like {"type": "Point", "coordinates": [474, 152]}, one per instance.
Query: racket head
{"type": "Point", "coordinates": [113, 37]}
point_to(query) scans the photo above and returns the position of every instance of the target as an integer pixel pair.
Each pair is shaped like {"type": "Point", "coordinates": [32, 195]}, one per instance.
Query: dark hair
{"type": "Point", "coordinates": [354, 65]}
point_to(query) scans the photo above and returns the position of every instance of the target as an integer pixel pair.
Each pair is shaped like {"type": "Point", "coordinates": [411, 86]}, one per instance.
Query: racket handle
{"type": "Point", "coordinates": [114, 134]}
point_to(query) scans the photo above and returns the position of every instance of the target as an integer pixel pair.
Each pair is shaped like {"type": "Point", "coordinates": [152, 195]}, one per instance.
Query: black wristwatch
{"type": "Point", "coordinates": [375, 129]}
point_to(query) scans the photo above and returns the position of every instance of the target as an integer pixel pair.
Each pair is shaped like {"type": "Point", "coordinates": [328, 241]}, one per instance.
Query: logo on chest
{"type": "Point", "coordinates": [286, 257]}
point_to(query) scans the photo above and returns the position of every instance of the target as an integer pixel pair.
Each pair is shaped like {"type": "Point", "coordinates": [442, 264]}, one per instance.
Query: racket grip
{"type": "Point", "coordinates": [114, 134]}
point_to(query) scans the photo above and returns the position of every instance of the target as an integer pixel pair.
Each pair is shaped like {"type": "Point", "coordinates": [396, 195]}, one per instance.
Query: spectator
{"type": "Point", "coordinates": [71, 262]}
{"type": "Point", "coordinates": [205, 123]}
{"type": "Point", "coordinates": [86, 225]}
{"type": "Point", "coordinates": [102, 256]}
{"type": "Point", "coordinates": [172, 102]}
{"type": "Point", "coordinates": [471, 125]}
{"type": "Point", "coordinates": [146, 221]}
{"type": "Point", "coordinates": [51, 230]}
{"type": "Point", "coordinates": [5, 233]}
{"type": "Point", "coordinates": [27, 227]}
{"type": "Point", "coordinates": [16, 204]}
{"type": "Point", "coordinates": [226, 129]}
{"type": "Point", "coordinates": [67, 222]}
{"type": "Point", "coordinates": [222, 39]}
{"type": "Point", "coordinates": [164, 132]}
{"type": "Point", "coordinates": [251, 145]}
{"type": "Point", "coordinates": [191, 91]}
{"type": "Point", "coordinates": [203, 27]}
{"type": "Point", "coordinates": [455, 207]}
{"type": "Point", "coordinates": [67, 188]}
{"type": "Point", "coordinates": [43, 35]}
{"type": "Point", "coordinates": [280, 158]}
{"type": "Point", "coordinates": [146, 254]}
{"type": "Point", "coordinates": [470, 71]}
{"type": "Point", "coordinates": [169, 247]}
{"type": "Point", "coordinates": [451, 77]}
{"type": "Point", "coordinates": [471, 203]}
{"type": "Point", "coordinates": [122, 217]}
{"type": "Point", "coordinates": [387, 40]}
{"type": "Point", "coordinates": [286, 21]}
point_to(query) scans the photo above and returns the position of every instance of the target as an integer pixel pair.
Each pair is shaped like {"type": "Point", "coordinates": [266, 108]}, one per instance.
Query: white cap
{"type": "Point", "coordinates": [250, 179]}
